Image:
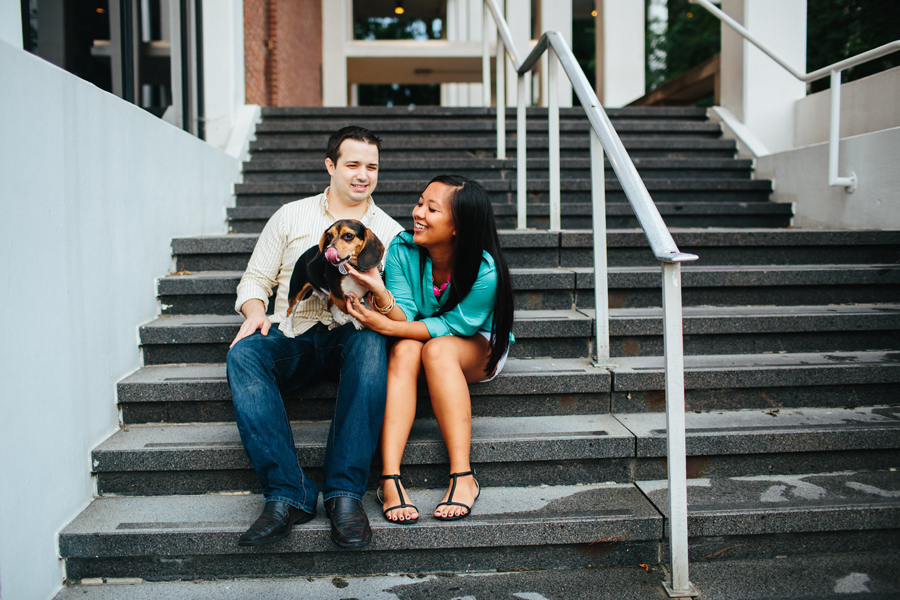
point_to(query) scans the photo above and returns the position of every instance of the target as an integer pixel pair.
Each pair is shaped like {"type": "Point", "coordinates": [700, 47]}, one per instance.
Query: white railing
{"type": "Point", "coordinates": [834, 71]}
{"type": "Point", "coordinates": [603, 137]}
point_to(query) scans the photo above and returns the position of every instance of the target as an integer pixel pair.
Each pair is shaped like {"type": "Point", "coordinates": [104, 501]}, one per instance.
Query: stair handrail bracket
{"type": "Point", "coordinates": [833, 71]}
{"type": "Point", "coordinates": [605, 140]}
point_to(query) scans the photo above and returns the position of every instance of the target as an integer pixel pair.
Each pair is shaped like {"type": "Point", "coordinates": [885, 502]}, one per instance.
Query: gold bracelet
{"type": "Point", "coordinates": [387, 308]}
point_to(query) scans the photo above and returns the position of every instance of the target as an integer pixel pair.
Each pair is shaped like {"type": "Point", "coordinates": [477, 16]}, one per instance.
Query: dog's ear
{"type": "Point", "coordinates": [370, 255]}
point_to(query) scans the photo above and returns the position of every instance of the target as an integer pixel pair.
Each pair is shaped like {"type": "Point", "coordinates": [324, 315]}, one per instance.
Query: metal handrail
{"type": "Point", "coordinates": [604, 137]}
{"type": "Point", "coordinates": [833, 70]}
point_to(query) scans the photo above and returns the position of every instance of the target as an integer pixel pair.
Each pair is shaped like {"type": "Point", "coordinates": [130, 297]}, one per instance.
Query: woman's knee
{"type": "Point", "coordinates": [405, 354]}
{"type": "Point", "coordinates": [439, 351]}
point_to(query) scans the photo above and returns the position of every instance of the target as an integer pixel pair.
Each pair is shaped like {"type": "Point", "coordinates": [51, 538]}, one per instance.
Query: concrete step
{"type": "Point", "coordinates": [195, 537]}
{"type": "Point", "coordinates": [527, 387]}
{"type": "Point", "coordinates": [213, 292]}
{"type": "Point", "coordinates": [502, 191]}
{"type": "Point", "coordinates": [556, 386]}
{"type": "Point", "coordinates": [633, 332]}
{"type": "Point", "coordinates": [508, 451]}
{"type": "Point", "coordinates": [204, 338]}
{"type": "Point", "coordinates": [262, 170]}
{"type": "Point", "coordinates": [317, 133]}
{"type": "Point", "coordinates": [341, 115]}
{"type": "Point", "coordinates": [871, 574]}
{"type": "Point", "coordinates": [762, 516]}
{"type": "Point", "coordinates": [574, 248]}
{"type": "Point", "coordinates": [485, 146]}
{"type": "Point", "coordinates": [746, 381]}
{"type": "Point", "coordinates": [577, 215]}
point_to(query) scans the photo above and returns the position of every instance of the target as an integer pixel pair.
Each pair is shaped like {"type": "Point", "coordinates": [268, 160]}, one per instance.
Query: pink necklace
{"type": "Point", "coordinates": [440, 290]}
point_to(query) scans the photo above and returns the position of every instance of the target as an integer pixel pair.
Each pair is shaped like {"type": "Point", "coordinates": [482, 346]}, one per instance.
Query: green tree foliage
{"type": "Point", "coordinates": [692, 36]}
{"type": "Point", "coordinates": [839, 29]}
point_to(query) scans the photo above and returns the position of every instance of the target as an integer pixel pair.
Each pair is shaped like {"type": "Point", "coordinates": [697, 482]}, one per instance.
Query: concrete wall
{"type": "Point", "coordinates": [93, 191]}
{"type": "Point", "coordinates": [801, 177]}
{"type": "Point", "coordinates": [867, 105]}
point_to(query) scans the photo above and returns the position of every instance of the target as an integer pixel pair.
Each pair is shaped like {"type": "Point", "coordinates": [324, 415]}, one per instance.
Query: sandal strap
{"type": "Point", "coordinates": [403, 504]}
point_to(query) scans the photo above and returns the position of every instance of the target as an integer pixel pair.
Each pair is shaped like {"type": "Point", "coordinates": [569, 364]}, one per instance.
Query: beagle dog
{"type": "Point", "coordinates": [320, 270]}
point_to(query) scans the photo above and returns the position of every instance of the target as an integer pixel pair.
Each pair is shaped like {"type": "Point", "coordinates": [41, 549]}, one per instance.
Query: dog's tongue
{"type": "Point", "coordinates": [331, 255]}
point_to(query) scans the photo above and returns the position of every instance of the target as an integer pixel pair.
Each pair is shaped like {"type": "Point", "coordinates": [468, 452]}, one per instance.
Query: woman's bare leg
{"type": "Point", "coordinates": [450, 364]}
{"type": "Point", "coordinates": [404, 366]}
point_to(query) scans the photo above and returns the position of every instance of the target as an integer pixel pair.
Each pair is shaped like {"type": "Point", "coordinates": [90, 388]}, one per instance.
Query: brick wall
{"type": "Point", "coordinates": [289, 71]}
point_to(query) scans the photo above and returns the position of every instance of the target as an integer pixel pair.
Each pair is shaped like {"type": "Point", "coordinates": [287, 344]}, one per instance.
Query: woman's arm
{"type": "Point", "coordinates": [415, 330]}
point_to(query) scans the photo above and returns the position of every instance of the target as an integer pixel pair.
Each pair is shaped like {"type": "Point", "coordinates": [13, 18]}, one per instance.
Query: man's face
{"type": "Point", "coordinates": [354, 176]}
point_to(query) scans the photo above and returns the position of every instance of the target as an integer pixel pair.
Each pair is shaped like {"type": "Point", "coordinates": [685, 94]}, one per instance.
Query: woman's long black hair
{"type": "Point", "coordinates": [476, 232]}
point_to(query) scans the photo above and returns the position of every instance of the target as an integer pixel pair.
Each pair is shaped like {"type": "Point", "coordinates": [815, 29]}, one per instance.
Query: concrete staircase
{"type": "Point", "coordinates": [792, 369]}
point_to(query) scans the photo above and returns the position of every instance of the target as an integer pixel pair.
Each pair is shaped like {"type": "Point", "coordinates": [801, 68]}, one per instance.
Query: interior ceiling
{"type": "Point", "coordinates": [414, 9]}
{"type": "Point", "coordinates": [432, 9]}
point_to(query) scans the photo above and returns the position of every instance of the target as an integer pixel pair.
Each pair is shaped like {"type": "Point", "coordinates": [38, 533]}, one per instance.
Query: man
{"type": "Point", "coordinates": [303, 348]}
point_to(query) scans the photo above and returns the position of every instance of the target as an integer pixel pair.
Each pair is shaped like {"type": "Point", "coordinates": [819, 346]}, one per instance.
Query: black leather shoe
{"type": "Point", "coordinates": [274, 523]}
{"type": "Point", "coordinates": [349, 523]}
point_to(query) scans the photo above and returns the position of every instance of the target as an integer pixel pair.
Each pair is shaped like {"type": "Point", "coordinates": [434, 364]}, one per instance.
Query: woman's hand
{"type": "Point", "coordinates": [372, 281]}
{"type": "Point", "coordinates": [373, 320]}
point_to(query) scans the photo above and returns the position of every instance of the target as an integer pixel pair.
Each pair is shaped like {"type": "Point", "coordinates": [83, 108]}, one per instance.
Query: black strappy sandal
{"type": "Point", "coordinates": [450, 501]}
{"type": "Point", "coordinates": [380, 495]}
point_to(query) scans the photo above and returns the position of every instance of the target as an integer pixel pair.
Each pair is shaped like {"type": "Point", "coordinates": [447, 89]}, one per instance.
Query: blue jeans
{"type": "Point", "coordinates": [259, 367]}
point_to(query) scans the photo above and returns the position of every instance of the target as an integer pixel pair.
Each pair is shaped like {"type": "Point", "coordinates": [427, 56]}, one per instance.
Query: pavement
{"type": "Point", "coordinates": [871, 576]}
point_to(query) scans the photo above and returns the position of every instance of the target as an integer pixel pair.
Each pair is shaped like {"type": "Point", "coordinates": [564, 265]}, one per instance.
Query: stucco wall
{"type": "Point", "coordinates": [93, 191]}
{"type": "Point", "coordinates": [801, 177]}
{"type": "Point", "coordinates": [867, 105]}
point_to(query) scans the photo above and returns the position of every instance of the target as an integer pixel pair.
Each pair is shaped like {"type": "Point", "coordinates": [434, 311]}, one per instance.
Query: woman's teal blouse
{"type": "Point", "coordinates": [414, 294]}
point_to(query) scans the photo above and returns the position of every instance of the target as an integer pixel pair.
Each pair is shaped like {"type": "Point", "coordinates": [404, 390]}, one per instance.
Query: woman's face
{"type": "Point", "coordinates": [432, 220]}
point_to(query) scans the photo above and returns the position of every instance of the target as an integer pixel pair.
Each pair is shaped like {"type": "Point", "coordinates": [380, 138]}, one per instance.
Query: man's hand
{"type": "Point", "coordinates": [255, 318]}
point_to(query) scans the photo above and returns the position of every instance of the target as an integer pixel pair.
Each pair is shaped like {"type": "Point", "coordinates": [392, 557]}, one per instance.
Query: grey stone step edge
{"type": "Point", "coordinates": [176, 526]}
{"type": "Point", "coordinates": [583, 238]}
{"type": "Point", "coordinates": [405, 112]}
{"type": "Point", "coordinates": [698, 320]}
{"type": "Point", "coordinates": [582, 278]}
{"type": "Point", "coordinates": [303, 188]}
{"type": "Point", "coordinates": [819, 372]}
{"type": "Point", "coordinates": [509, 440]}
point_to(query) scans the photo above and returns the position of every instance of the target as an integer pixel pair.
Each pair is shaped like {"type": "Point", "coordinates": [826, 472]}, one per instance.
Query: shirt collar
{"type": "Point", "coordinates": [367, 216]}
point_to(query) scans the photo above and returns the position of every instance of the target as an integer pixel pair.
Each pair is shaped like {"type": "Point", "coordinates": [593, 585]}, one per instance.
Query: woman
{"type": "Point", "coordinates": [447, 295]}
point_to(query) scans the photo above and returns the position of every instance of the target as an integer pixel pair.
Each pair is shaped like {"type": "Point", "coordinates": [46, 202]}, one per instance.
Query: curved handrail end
{"type": "Point", "coordinates": [677, 257]}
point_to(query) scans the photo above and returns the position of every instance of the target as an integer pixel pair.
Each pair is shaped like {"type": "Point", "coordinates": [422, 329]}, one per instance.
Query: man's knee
{"type": "Point", "coordinates": [366, 345]}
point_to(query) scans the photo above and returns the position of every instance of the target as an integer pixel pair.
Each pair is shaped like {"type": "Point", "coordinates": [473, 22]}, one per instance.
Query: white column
{"type": "Point", "coordinates": [223, 68]}
{"type": "Point", "coordinates": [518, 16]}
{"type": "Point", "coordinates": [11, 23]}
{"type": "Point", "coordinates": [556, 15]}
{"type": "Point", "coordinates": [335, 16]}
{"type": "Point", "coordinates": [620, 51]}
{"type": "Point", "coordinates": [755, 89]}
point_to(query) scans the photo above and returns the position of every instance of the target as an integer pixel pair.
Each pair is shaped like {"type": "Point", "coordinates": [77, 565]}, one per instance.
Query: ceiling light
{"type": "Point", "coordinates": [398, 10]}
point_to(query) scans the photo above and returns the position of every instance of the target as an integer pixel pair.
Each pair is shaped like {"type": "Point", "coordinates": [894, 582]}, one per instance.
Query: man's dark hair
{"type": "Point", "coordinates": [353, 132]}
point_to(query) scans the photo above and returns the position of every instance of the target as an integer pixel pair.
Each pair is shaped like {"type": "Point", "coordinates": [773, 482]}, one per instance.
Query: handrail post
{"type": "Point", "coordinates": [485, 57]}
{"type": "Point", "coordinates": [834, 137]}
{"type": "Point", "coordinates": [553, 125]}
{"type": "Point", "coordinates": [679, 585]}
{"type": "Point", "coordinates": [521, 157]}
{"type": "Point", "coordinates": [598, 220]}
{"type": "Point", "coordinates": [501, 99]}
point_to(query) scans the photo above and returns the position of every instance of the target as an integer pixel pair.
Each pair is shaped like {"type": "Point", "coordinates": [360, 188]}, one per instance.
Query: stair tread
{"type": "Point", "coordinates": [200, 382]}
{"type": "Point", "coordinates": [217, 446]}
{"type": "Point", "coordinates": [576, 238]}
{"type": "Point", "coordinates": [209, 524]}
{"type": "Point", "coordinates": [774, 503]}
